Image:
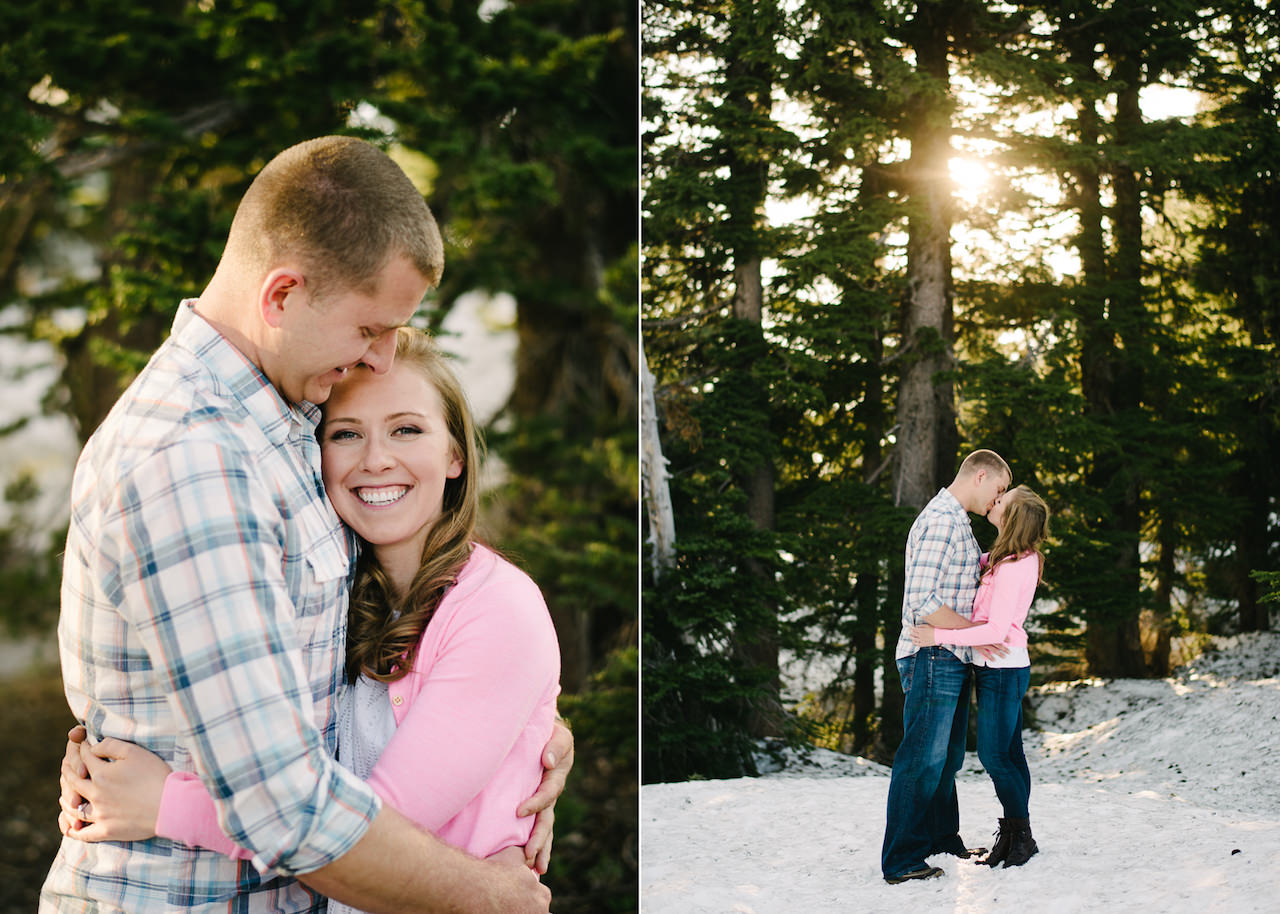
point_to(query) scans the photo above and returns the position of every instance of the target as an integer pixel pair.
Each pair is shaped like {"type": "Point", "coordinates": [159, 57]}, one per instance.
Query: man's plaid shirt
{"type": "Point", "coordinates": [204, 604]}
{"type": "Point", "coordinates": [941, 569]}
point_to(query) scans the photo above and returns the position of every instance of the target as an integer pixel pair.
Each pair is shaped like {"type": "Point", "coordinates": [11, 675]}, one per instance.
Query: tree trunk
{"type": "Point", "coordinates": [866, 658]}
{"type": "Point", "coordinates": [575, 364]}
{"type": "Point", "coordinates": [1115, 645]}
{"type": "Point", "coordinates": [927, 437]}
{"type": "Point", "coordinates": [866, 592]}
{"type": "Point", "coordinates": [657, 494]}
{"type": "Point", "coordinates": [758, 647]}
{"type": "Point", "coordinates": [93, 386]}
{"type": "Point", "coordinates": [1253, 541]}
{"type": "Point", "coordinates": [890, 733]}
{"type": "Point", "coordinates": [750, 79]}
{"type": "Point", "coordinates": [1159, 646]}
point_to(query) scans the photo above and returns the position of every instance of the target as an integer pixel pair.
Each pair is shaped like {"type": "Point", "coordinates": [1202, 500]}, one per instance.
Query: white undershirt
{"type": "Point", "coordinates": [1016, 657]}
{"type": "Point", "coordinates": [366, 724]}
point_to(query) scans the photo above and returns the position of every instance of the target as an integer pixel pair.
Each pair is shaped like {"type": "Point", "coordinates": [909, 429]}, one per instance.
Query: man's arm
{"type": "Point", "coordinates": [119, 775]}
{"type": "Point", "coordinates": [946, 617]}
{"type": "Point", "coordinates": [393, 868]}
{"type": "Point", "coordinates": [397, 869]}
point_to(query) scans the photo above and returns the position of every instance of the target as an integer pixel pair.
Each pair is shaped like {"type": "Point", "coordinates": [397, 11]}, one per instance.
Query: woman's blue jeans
{"type": "Point", "coordinates": [923, 816]}
{"type": "Point", "coordinates": [1000, 694]}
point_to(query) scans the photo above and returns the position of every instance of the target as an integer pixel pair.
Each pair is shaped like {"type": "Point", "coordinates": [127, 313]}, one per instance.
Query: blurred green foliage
{"type": "Point", "coordinates": [128, 134]}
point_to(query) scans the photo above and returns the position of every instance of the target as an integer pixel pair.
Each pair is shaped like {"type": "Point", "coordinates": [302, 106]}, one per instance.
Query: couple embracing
{"type": "Point", "coordinates": [299, 672]}
{"type": "Point", "coordinates": [963, 618]}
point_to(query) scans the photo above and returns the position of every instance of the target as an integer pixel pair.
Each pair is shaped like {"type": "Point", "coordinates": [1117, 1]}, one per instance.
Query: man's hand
{"type": "Point", "coordinates": [396, 868]}
{"type": "Point", "coordinates": [557, 758]}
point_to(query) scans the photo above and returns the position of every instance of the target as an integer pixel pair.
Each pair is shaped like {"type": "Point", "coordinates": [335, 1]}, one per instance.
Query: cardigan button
{"type": "Point", "coordinates": [398, 700]}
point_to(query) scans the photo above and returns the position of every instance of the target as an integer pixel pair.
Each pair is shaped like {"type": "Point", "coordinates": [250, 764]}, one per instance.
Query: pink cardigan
{"type": "Point", "coordinates": [1003, 600]}
{"type": "Point", "coordinates": [472, 718]}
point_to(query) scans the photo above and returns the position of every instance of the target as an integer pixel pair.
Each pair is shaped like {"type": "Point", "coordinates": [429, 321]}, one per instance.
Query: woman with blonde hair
{"type": "Point", "coordinates": [1010, 573]}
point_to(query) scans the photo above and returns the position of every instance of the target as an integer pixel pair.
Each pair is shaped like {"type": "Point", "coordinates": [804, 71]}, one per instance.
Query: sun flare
{"type": "Point", "coordinates": [968, 175]}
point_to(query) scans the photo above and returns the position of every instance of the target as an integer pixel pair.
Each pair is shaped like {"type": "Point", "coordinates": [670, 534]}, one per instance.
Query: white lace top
{"type": "Point", "coordinates": [366, 724]}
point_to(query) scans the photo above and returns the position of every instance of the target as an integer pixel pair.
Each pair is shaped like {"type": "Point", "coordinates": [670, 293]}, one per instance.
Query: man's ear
{"type": "Point", "coordinates": [281, 288]}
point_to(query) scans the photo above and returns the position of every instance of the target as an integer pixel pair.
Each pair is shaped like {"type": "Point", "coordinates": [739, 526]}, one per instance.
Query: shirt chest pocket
{"type": "Point", "coordinates": [322, 577]}
{"type": "Point", "coordinates": [964, 561]}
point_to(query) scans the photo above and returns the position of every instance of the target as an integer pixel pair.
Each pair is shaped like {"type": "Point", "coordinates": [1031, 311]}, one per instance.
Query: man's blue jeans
{"type": "Point", "coordinates": [923, 816]}
{"type": "Point", "coordinates": [1000, 694]}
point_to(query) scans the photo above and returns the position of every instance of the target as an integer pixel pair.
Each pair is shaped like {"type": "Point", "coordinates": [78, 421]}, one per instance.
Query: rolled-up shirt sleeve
{"type": "Point", "coordinates": [200, 573]}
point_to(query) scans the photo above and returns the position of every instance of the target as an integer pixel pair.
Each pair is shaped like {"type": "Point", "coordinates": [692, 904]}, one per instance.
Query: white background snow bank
{"type": "Point", "coordinates": [1146, 796]}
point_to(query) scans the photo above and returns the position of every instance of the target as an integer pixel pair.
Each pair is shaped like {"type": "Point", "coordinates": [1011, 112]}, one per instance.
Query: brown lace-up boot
{"type": "Point", "coordinates": [1000, 850]}
{"type": "Point", "coordinates": [1021, 845]}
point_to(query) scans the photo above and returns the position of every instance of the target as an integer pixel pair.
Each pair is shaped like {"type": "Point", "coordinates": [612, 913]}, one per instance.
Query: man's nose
{"type": "Point", "coordinates": [381, 353]}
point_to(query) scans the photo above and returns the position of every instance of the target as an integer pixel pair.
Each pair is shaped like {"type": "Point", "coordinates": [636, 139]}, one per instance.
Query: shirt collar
{"type": "Point", "coordinates": [951, 504]}
{"type": "Point", "coordinates": [240, 379]}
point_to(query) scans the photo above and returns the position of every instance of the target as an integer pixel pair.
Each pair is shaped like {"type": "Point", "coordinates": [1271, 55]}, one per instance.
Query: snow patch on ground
{"type": "Point", "coordinates": [1147, 795]}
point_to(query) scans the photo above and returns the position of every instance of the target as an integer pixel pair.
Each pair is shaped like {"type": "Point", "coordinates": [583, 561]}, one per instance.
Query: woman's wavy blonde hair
{"type": "Point", "coordinates": [384, 628]}
{"type": "Point", "coordinates": [1023, 528]}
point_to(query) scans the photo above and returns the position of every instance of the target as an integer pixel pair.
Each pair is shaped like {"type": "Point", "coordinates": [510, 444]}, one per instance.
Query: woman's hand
{"type": "Point", "coordinates": [557, 759]}
{"type": "Point", "coordinates": [70, 799]}
{"type": "Point", "coordinates": [991, 651]}
{"type": "Point", "coordinates": [121, 793]}
{"type": "Point", "coordinates": [922, 635]}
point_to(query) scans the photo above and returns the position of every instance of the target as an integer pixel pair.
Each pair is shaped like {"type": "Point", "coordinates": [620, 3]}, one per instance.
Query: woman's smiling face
{"type": "Point", "coordinates": [387, 453]}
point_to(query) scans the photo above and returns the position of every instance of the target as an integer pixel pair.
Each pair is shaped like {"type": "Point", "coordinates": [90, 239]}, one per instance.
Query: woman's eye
{"type": "Point", "coordinates": [342, 434]}
{"type": "Point", "coordinates": [408, 430]}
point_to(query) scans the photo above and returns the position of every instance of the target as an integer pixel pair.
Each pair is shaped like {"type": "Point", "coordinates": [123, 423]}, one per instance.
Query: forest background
{"type": "Point", "coordinates": [878, 235]}
{"type": "Point", "coordinates": [130, 131]}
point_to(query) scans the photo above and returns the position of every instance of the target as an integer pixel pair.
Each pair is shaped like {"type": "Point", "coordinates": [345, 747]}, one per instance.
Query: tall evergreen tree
{"type": "Point", "coordinates": [710, 78]}
{"type": "Point", "coordinates": [1239, 260]}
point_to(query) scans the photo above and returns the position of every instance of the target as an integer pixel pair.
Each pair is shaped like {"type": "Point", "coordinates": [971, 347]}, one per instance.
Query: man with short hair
{"type": "Point", "coordinates": [204, 598]}
{"type": "Point", "coordinates": [923, 816]}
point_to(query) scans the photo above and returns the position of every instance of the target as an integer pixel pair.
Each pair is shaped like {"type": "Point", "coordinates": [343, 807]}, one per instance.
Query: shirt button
{"type": "Point", "coordinates": [398, 700]}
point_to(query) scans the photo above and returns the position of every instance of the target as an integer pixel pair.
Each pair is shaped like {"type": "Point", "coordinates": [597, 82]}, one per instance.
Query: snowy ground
{"type": "Point", "coordinates": [1147, 796]}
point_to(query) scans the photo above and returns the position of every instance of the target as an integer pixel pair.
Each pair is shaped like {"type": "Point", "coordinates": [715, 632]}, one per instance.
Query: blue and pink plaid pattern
{"type": "Point", "coordinates": [941, 569]}
{"type": "Point", "coordinates": [204, 604]}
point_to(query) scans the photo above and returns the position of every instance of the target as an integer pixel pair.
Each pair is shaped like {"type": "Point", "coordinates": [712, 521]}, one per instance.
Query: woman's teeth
{"type": "Point", "coordinates": [382, 495]}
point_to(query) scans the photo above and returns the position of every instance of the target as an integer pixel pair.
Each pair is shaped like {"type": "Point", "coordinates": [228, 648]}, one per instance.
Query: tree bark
{"type": "Point", "coordinates": [757, 645]}
{"type": "Point", "coordinates": [1114, 646]}
{"type": "Point", "coordinates": [750, 79]}
{"type": "Point", "coordinates": [657, 494]}
{"type": "Point", "coordinates": [927, 435]}
{"type": "Point", "coordinates": [1253, 540]}
{"type": "Point", "coordinates": [866, 591]}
